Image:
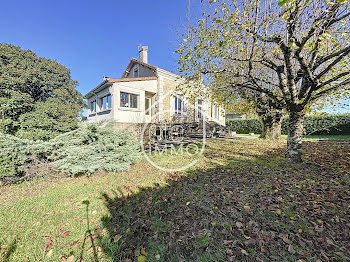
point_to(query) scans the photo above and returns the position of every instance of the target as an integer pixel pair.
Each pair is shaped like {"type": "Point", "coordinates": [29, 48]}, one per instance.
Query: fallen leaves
{"type": "Point", "coordinates": [117, 238]}
{"type": "Point", "coordinates": [246, 208]}
{"type": "Point", "coordinates": [286, 239]}
{"type": "Point", "coordinates": [228, 242]}
{"type": "Point", "coordinates": [49, 254]}
{"type": "Point", "coordinates": [239, 224]}
{"type": "Point", "coordinates": [141, 259]}
{"type": "Point", "coordinates": [68, 259]}
{"type": "Point", "coordinates": [65, 234]}
{"type": "Point", "coordinates": [49, 244]}
{"type": "Point", "coordinates": [143, 252]}
{"type": "Point", "coordinates": [291, 249]}
{"type": "Point", "coordinates": [255, 208]}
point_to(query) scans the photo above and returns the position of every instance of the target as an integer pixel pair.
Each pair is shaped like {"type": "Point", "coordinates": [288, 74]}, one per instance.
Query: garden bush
{"type": "Point", "coordinates": [88, 149]}
{"type": "Point", "coordinates": [314, 125]}
{"type": "Point", "coordinates": [245, 126]}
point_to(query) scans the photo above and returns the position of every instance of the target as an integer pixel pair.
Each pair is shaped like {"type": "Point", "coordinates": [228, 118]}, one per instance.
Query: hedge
{"type": "Point", "coordinates": [86, 150]}
{"type": "Point", "coordinates": [314, 125]}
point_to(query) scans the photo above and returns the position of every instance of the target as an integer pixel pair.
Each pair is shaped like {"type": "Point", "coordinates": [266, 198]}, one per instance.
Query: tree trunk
{"type": "Point", "coordinates": [295, 132]}
{"type": "Point", "coordinates": [272, 126]}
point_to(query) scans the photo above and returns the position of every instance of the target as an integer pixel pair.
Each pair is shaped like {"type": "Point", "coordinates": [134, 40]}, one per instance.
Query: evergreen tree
{"type": "Point", "coordinates": [38, 99]}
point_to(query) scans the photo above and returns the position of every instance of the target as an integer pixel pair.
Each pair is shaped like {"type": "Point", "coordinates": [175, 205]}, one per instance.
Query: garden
{"type": "Point", "coordinates": [246, 203]}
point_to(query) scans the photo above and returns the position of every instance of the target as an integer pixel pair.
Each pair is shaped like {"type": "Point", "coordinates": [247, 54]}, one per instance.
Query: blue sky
{"type": "Point", "coordinates": [96, 38]}
{"type": "Point", "coordinates": [93, 38]}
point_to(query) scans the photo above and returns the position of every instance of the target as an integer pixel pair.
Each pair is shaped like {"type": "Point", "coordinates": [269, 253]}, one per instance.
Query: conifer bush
{"type": "Point", "coordinates": [86, 150]}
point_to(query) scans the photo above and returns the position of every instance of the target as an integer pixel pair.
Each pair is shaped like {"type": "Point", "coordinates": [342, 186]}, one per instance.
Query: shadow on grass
{"type": "Point", "coordinates": [9, 251]}
{"type": "Point", "coordinates": [241, 206]}
{"type": "Point", "coordinates": [88, 234]}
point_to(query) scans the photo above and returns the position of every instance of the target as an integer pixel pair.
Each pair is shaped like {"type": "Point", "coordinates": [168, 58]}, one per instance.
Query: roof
{"type": "Point", "coordinates": [134, 61]}
{"type": "Point", "coordinates": [110, 81]}
{"type": "Point", "coordinates": [116, 80]}
{"type": "Point", "coordinates": [124, 77]}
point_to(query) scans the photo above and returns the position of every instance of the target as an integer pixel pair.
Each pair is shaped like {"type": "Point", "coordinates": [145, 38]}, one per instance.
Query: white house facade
{"type": "Point", "coordinates": [146, 93]}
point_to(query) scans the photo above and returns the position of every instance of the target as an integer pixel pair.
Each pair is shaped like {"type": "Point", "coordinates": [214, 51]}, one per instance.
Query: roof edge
{"type": "Point", "coordinates": [117, 80]}
{"type": "Point", "coordinates": [134, 60]}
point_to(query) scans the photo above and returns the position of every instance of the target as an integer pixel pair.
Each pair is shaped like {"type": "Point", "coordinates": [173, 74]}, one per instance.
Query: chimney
{"type": "Point", "coordinates": [143, 54]}
{"type": "Point", "coordinates": [105, 78]}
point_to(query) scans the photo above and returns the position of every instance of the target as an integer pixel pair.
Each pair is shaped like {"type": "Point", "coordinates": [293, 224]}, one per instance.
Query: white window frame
{"type": "Point", "coordinates": [93, 109]}
{"type": "Point", "coordinates": [199, 109]}
{"type": "Point", "coordinates": [129, 101]}
{"type": "Point", "coordinates": [176, 110]}
{"type": "Point", "coordinates": [215, 111]}
{"type": "Point", "coordinates": [108, 105]}
{"type": "Point", "coordinates": [149, 109]}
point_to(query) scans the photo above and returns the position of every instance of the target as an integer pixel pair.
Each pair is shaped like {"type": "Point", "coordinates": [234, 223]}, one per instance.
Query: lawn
{"type": "Point", "coordinates": [328, 137]}
{"type": "Point", "coordinates": [240, 202]}
{"type": "Point", "coordinates": [318, 137]}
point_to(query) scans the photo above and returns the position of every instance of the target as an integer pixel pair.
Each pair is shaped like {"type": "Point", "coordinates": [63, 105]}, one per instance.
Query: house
{"type": "Point", "coordinates": [146, 94]}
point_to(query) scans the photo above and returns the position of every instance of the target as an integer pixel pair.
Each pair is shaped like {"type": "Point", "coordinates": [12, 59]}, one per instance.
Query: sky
{"type": "Point", "coordinates": [95, 38]}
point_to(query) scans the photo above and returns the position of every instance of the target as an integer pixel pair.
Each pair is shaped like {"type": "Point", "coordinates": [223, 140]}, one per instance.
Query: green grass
{"type": "Point", "coordinates": [171, 214]}
{"type": "Point", "coordinates": [33, 213]}
{"type": "Point", "coordinates": [329, 137]}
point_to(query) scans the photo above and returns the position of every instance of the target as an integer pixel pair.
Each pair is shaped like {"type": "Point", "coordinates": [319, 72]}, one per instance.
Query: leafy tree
{"type": "Point", "coordinates": [48, 120]}
{"type": "Point", "coordinates": [292, 53]}
{"type": "Point", "coordinates": [38, 99]}
{"type": "Point", "coordinates": [247, 101]}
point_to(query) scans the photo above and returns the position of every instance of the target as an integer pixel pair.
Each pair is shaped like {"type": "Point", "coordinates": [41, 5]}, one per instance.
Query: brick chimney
{"type": "Point", "coordinates": [143, 54]}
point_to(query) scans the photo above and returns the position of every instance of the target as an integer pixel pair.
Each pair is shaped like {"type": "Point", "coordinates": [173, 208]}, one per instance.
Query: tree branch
{"type": "Point", "coordinates": [332, 80]}
{"type": "Point", "coordinates": [330, 90]}
{"type": "Point", "coordinates": [324, 59]}
{"type": "Point", "coordinates": [330, 66]}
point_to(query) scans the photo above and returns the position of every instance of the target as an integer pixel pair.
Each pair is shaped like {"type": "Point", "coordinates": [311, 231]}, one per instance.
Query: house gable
{"type": "Point", "coordinates": [142, 69]}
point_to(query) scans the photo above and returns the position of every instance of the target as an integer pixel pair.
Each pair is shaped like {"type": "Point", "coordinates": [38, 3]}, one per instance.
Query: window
{"type": "Point", "coordinates": [106, 102]}
{"type": "Point", "coordinates": [179, 105]}
{"type": "Point", "coordinates": [199, 108]}
{"type": "Point", "coordinates": [93, 106]}
{"type": "Point", "coordinates": [128, 100]}
{"type": "Point", "coordinates": [147, 106]}
{"type": "Point", "coordinates": [136, 71]}
{"type": "Point", "coordinates": [215, 111]}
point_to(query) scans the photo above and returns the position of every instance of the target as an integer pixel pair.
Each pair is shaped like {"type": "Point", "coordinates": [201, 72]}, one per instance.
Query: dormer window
{"type": "Point", "coordinates": [136, 71]}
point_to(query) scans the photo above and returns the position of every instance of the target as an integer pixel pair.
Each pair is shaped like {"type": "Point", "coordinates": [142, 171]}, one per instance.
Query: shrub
{"type": "Point", "coordinates": [245, 126]}
{"type": "Point", "coordinates": [86, 150]}
{"type": "Point", "coordinates": [313, 125]}
{"type": "Point", "coordinates": [323, 125]}
{"type": "Point", "coordinates": [10, 165]}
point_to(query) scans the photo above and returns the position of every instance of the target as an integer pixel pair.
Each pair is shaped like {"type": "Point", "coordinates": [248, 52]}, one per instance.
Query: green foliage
{"type": "Point", "coordinates": [324, 125]}
{"type": "Point", "coordinates": [245, 126]}
{"type": "Point", "coordinates": [86, 150]}
{"type": "Point", "coordinates": [48, 120]}
{"type": "Point", "coordinates": [313, 125]}
{"type": "Point", "coordinates": [31, 90]}
{"type": "Point", "coordinates": [10, 165]}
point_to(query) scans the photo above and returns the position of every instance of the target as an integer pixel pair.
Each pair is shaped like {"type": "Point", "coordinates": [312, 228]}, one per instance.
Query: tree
{"type": "Point", "coordinates": [291, 52]}
{"type": "Point", "coordinates": [38, 99]}
{"type": "Point", "coordinates": [270, 113]}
